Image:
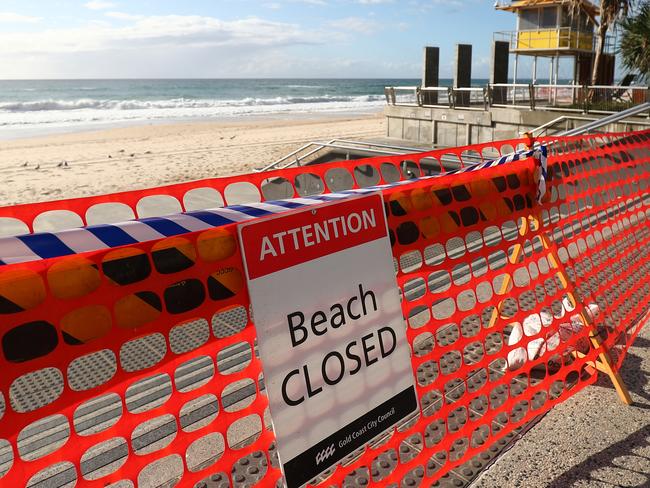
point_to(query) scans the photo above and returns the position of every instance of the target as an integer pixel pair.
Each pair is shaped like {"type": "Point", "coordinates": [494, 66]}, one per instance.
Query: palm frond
{"type": "Point", "coordinates": [635, 42]}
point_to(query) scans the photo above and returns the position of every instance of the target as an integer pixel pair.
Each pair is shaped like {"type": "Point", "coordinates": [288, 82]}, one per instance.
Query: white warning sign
{"type": "Point", "coordinates": [331, 335]}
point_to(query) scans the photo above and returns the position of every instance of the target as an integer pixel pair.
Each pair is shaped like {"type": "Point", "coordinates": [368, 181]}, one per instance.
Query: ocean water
{"type": "Point", "coordinates": [35, 107]}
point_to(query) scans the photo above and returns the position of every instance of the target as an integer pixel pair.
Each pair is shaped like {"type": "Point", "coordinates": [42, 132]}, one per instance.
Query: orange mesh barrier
{"type": "Point", "coordinates": [137, 365]}
{"type": "Point", "coordinates": [255, 187]}
{"type": "Point", "coordinates": [597, 214]}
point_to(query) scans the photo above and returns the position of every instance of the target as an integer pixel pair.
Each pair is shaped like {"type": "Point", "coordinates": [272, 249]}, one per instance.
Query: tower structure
{"type": "Point", "coordinates": [547, 29]}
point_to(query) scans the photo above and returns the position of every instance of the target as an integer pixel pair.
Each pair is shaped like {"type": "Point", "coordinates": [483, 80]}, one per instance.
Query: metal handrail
{"type": "Point", "coordinates": [345, 144]}
{"type": "Point", "coordinates": [447, 161]}
{"type": "Point", "coordinates": [557, 37]}
{"type": "Point", "coordinates": [618, 87]}
{"type": "Point", "coordinates": [511, 85]}
{"type": "Point", "coordinates": [375, 144]}
{"type": "Point", "coordinates": [566, 85]}
{"type": "Point", "coordinates": [352, 148]}
{"type": "Point", "coordinates": [562, 118]}
{"type": "Point", "coordinates": [610, 119]}
{"type": "Point", "coordinates": [438, 90]}
{"type": "Point", "coordinates": [593, 123]}
{"type": "Point", "coordinates": [291, 154]}
{"type": "Point", "coordinates": [581, 98]}
{"type": "Point", "coordinates": [519, 85]}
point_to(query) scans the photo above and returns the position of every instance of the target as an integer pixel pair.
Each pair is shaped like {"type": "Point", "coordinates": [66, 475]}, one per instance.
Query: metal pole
{"type": "Point", "coordinates": [557, 69]}
{"type": "Point", "coordinates": [576, 65]}
{"type": "Point", "coordinates": [534, 70]}
{"type": "Point", "coordinates": [514, 78]}
{"type": "Point", "coordinates": [550, 80]}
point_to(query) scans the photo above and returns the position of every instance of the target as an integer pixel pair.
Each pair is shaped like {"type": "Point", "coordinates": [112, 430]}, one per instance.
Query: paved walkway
{"type": "Point", "coordinates": [590, 441]}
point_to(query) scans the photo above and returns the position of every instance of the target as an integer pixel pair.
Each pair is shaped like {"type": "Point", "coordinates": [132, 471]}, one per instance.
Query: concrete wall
{"type": "Point", "coordinates": [450, 127]}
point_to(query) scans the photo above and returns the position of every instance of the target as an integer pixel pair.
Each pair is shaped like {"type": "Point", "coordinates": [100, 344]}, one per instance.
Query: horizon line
{"type": "Point", "coordinates": [230, 78]}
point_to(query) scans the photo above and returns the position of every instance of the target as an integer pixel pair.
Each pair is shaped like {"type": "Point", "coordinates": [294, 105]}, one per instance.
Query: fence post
{"type": "Point", "coordinates": [531, 92]}
{"type": "Point", "coordinates": [389, 93]}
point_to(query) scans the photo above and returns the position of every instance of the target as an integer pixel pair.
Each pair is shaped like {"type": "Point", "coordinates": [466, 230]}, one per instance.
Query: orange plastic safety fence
{"type": "Point", "coordinates": [598, 214]}
{"type": "Point", "coordinates": [137, 365]}
{"type": "Point", "coordinates": [255, 187]}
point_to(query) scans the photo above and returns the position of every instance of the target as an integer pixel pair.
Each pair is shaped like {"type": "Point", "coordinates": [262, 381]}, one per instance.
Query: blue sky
{"type": "Point", "coordinates": [240, 38]}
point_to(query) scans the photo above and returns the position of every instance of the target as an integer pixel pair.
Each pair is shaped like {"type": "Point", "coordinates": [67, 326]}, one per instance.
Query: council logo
{"type": "Point", "coordinates": [325, 454]}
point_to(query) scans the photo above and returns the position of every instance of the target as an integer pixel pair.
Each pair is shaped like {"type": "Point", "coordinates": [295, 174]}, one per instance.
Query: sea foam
{"type": "Point", "coordinates": [87, 112]}
{"type": "Point", "coordinates": [90, 103]}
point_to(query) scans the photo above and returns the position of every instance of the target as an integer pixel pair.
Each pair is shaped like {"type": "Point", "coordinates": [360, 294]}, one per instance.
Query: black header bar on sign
{"type": "Point", "coordinates": [318, 458]}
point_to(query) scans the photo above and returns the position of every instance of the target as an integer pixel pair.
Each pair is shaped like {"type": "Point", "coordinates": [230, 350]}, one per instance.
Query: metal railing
{"type": "Point", "coordinates": [608, 99]}
{"type": "Point", "coordinates": [510, 95]}
{"type": "Point", "coordinates": [553, 39]}
{"type": "Point", "coordinates": [402, 95]}
{"type": "Point", "coordinates": [437, 96]}
{"type": "Point", "coordinates": [473, 98]}
{"type": "Point", "coordinates": [597, 99]}
{"type": "Point", "coordinates": [560, 97]}
{"type": "Point", "coordinates": [297, 157]}
{"type": "Point", "coordinates": [592, 124]}
{"type": "Point", "coordinates": [617, 118]}
{"type": "Point", "coordinates": [470, 98]}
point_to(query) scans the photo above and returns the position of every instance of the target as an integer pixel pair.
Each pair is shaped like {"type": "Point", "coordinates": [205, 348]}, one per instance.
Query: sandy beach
{"type": "Point", "coordinates": [146, 156]}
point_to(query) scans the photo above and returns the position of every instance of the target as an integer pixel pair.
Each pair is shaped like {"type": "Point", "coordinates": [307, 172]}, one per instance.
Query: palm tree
{"type": "Point", "coordinates": [635, 42]}
{"type": "Point", "coordinates": [610, 11]}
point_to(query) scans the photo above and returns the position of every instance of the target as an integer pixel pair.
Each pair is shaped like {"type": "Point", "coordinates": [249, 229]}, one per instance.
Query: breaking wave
{"type": "Point", "coordinates": [177, 103]}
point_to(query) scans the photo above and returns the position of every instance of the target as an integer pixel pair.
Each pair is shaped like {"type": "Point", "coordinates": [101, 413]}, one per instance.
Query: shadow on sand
{"type": "Point", "coordinates": [586, 473]}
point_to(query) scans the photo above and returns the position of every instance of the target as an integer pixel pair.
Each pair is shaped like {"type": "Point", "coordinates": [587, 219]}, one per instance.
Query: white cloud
{"type": "Point", "coordinates": [157, 32]}
{"type": "Point", "coordinates": [373, 2]}
{"type": "Point", "coordinates": [355, 24]}
{"type": "Point", "coordinates": [121, 45]}
{"type": "Point", "coordinates": [11, 17]}
{"type": "Point", "coordinates": [123, 16]}
{"type": "Point", "coordinates": [425, 6]}
{"type": "Point", "coordinates": [99, 5]}
{"type": "Point", "coordinates": [312, 2]}
{"type": "Point", "coordinates": [273, 6]}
